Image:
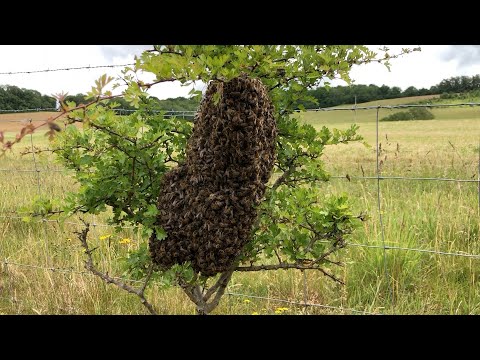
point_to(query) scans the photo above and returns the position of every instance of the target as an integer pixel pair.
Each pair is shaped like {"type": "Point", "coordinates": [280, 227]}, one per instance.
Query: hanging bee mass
{"type": "Point", "coordinates": [207, 205]}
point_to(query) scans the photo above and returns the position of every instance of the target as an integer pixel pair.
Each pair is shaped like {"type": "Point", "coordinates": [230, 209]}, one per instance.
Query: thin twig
{"type": "Point", "coordinates": [89, 265]}
{"type": "Point", "coordinates": [286, 266]}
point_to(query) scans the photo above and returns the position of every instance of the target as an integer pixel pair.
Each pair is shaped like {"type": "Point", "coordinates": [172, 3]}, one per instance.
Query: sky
{"type": "Point", "coordinates": [419, 69]}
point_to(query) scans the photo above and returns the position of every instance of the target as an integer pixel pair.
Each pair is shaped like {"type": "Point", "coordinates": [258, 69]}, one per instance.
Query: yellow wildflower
{"type": "Point", "coordinates": [246, 301]}
{"type": "Point", "coordinates": [278, 311]}
{"type": "Point", "coordinates": [125, 241]}
{"type": "Point", "coordinates": [255, 313]}
{"type": "Point", "coordinates": [105, 237]}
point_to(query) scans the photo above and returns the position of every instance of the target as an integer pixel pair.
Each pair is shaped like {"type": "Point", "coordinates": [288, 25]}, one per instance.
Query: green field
{"type": "Point", "coordinates": [438, 216]}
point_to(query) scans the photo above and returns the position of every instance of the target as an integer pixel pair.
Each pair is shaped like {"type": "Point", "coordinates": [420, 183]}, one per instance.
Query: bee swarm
{"type": "Point", "coordinates": [207, 205]}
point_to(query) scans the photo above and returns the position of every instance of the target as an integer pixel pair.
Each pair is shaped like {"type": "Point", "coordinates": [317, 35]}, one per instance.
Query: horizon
{"type": "Point", "coordinates": [419, 69]}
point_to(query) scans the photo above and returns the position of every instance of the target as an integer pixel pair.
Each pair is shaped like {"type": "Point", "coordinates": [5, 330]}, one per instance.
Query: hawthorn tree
{"type": "Point", "coordinates": [119, 160]}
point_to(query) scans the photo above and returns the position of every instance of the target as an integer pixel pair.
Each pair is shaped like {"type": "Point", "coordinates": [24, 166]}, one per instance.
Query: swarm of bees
{"type": "Point", "coordinates": [208, 204]}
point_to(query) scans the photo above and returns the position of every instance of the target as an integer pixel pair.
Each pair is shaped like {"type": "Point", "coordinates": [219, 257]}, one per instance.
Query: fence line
{"type": "Point", "coordinates": [380, 177]}
{"type": "Point", "coordinates": [306, 304]}
{"type": "Point", "coordinates": [68, 222]}
{"type": "Point", "coordinates": [351, 177]}
{"type": "Point", "coordinates": [185, 114]}
{"type": "Point", "coordinates": [81, 272]}
{"type": "Point", "coordinates": [387, 246]}
{"type": "Point", "coordinates": [401, 106]}
{"type": "Point", "coordinates": [352, 108]}
{"type": "Point", "coordinates": [89, 67]}
{"type": "Point", "coordinates": [8, 111]}
{"type": "Point", "coordinates": [384, 245]}
{"type": "Point", "coordinates": [36, 170]}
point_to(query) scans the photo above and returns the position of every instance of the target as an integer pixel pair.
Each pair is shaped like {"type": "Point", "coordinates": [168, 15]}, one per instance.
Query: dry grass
{"type": "Point", "coordinates": [440, 216]}
{"type": "Point", "coordinates": [14, 122]}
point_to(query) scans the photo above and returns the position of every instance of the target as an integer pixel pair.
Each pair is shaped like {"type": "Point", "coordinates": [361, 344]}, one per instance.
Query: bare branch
{"type": "Point", "coordinates": [286, 266]}
{"type": "Point", "coordinates": [331, 276]}
{"type": "Point", "coordinates": [214, 288]}
{"type": "Point", "coordinates": [89, 265]}
{"type": "Point", "coordinates": [223, 282]}
{"type": "Point", "coordinates": [111, 132]}
{"type": "Point", "coordinates": [339, 244]}
{"type": "Point", "coordinates": [147, 279]}
{"type": "Point", "coordinates": [283, 178]}
{"type": "Point", "coordinates": [149, 85]}
{"type": "Point", "coordinates": [187, 289]}
{"type": "Point", "coordinates": [278, 256]}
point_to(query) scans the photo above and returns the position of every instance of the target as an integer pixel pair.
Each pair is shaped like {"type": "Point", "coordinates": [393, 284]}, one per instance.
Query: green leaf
{"type": "Point", "coordinates": [118, 161]}
{"type": "Point", "coordinates": [160, 233]}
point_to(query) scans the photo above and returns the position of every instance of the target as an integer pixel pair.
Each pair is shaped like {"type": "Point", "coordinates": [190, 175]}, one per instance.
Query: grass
{"type": "Point", "coordinates": [430, 215]}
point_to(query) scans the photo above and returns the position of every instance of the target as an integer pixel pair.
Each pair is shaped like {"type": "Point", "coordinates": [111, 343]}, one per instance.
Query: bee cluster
{"type": "Point", "coordinates": [207, 205]}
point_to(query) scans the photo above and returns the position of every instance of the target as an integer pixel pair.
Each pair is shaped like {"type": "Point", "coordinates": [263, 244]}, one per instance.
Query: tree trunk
{"type": "Point", "coordinates": [201, 298]}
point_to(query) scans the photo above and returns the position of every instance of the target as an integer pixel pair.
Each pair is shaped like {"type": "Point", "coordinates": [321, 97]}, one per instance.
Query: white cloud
{"type": "Point", "coordinates": [15, 58]}
{"type": "Point", "coordinates": [115, 53]}
{"type": "Point", "coordinates": [465, 55]}
{"type": "Point", "coordinates": [419, 69]}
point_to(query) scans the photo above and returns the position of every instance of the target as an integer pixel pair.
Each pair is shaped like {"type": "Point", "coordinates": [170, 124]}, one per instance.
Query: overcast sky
{"type": "Point", "coordinates": [419, 69]}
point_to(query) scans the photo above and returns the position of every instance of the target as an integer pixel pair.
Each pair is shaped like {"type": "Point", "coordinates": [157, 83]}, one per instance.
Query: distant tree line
{"type": "Point", "coordinates": [346, 94]}
{"type": "Point", "coordinates": [458, 84]}
{"type": "Point", "coordinates": [175, 104]}
{"type": "Point", "coordinates": [339, 95]}
{"type": "Point", "coordinates": [15, 98]}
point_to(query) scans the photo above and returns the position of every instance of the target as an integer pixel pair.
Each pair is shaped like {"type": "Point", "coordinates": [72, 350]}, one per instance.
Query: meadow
{"type": "Point", "coordinates": [45, 274]}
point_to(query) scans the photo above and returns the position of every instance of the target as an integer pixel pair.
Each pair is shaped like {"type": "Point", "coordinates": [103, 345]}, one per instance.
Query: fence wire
{"type": "Point", "coordinates": [184, 114]}
{"type": "Point", "coordinates": [385, 247]}
{"type": "Point", "coordinates": [401, 106]}
{"type": "Point", "coordinates": [88, 67]}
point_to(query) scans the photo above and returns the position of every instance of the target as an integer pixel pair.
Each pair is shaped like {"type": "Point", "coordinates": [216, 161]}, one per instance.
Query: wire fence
{"type": "Point", "coordinates": [384, 245]}
{"type": "Point", "coordinates": [88, 67]}
{"type": "Point", "coordinates": [184, 114]}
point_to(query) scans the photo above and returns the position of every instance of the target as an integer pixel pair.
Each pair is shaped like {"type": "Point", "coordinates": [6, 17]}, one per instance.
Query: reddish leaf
{"type": "Point", "coordinates": [30, 128]}
{"type": "Point", "coordinates": [54, 126]}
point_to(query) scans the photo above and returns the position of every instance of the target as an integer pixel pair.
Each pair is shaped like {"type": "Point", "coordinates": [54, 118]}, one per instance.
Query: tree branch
{"type": "Point", "coordinates": [222, 285]}
{"type": "Point", "coordinates": [284, 82]}
{"type": "Point", "coordinates": [149, 85]}
{"type": "Point", "coordinates": [187, 289]}
{"type": "Point", "coordinates": [286, 266]}
{"type": "Point", "coordinates": [89, 265]}
{"type": "Point", "coordinates": [111, 132]}
{"type": "Point", "coordinates": [282, 179]}
{"type": "Point", "coordinates": [30, 129]}
{"type": "Point", "coordinates": [214, 288]}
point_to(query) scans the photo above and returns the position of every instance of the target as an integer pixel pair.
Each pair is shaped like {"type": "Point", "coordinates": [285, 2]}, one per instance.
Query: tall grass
{"type": "Point", "coordinates": [429, 215]}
